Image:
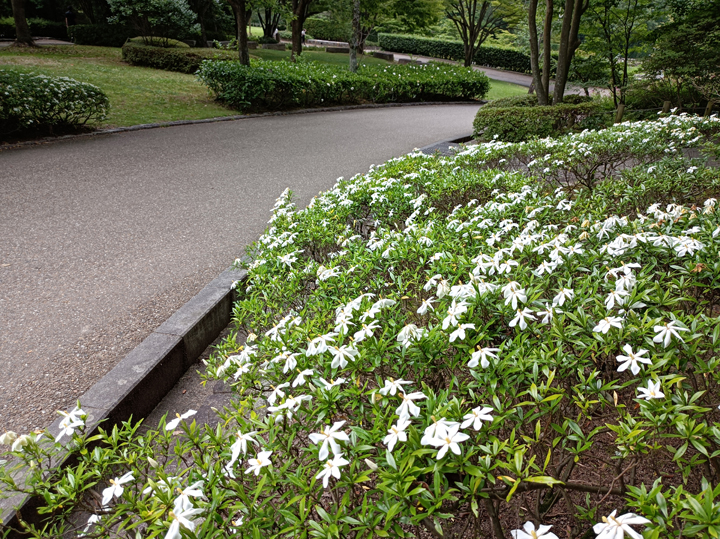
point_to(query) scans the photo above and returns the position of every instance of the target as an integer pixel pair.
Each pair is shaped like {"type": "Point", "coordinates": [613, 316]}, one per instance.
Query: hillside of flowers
{"type": "Point", "coordinates": [520, 341]}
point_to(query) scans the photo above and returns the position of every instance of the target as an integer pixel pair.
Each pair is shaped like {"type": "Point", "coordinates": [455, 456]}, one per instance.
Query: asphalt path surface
{"type": "Point", "coordinates": [103, 238]}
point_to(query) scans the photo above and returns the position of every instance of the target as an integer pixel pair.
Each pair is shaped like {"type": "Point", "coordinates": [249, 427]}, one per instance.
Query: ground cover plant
{"type": "Point", "coordinates": [484, 345]}
{"type": "Point", "coordinates": [282, 85]}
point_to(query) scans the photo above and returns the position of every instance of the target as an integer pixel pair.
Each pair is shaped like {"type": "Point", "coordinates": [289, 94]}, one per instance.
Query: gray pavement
{"type": "Point", "coordinates": [103, 238]}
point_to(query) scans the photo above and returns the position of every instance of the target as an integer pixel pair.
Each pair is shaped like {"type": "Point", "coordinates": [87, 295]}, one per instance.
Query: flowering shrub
{"type": "Point", "coordinates": [448, 347]}
{"type": "Point", "coordinates": [281, 85]}
{"type": "Point", "coordinates": [30, 100]}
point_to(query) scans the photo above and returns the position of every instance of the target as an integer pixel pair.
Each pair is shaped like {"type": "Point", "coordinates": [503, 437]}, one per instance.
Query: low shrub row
{"type": "Point", "coordinates": [515, 119]}
{"type": "Point", "coordinates": [453, 50]}
{"type": "Point", "coordinates": [283, 85]}
{"type": "Point", "coordinates": [101, 35]}
{"type": "Point", "coordinates": [36, 101]}
{"type": "Point", "coordinates": [181, 59]}
{"type": "Point", "coordinates": [38, 27]}
{"type": "Point", "coordinates": [326, 29]}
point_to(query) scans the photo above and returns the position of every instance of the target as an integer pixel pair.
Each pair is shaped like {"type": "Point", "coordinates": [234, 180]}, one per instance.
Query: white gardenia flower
{"type": "Point", "coordinates": [327, 386]}
{"type": "Point", "coordinates": [481, 355]}
{"type": "Point", "coordinates": [564, 294]}
{"type": "Point", "coordinates": [631, 360]}
{"type": "Point", "coordinates": [262, 460]}
{"type": "Point", "coordinates": [329, 437]}
{"type": "Point", "coordinates": [652, 391]}
{"type": "Point", "coordinates": [396, 434]}
{"type": "Point", "coordinates": [456, 309]}
{"type": "Point", "coordinates": [341, 354]}
{"type": "Point", "coordinates": [476, 417]}
{"type": "Point", "coordinates": [300, 380]}
{"type": "Point", "coordinates": [530, 532]}
{"type": "Point", "coordinates": [8, 438]}
{"type": "Point", "coordinates": [332, 468]}
{"type": "Point", "coordinates": [240, 444]}
{"type": "Point", "coordinates": [437, 429]}
{"type": "Point", "coordinates": [450, 441]}
{"type": "Point", "coordinates": [408, 408]}
{"type": "Point", "coordinates": [181, 515]}
{"type": "Point", "coordinates": [432, 282]}
{"type": "Point", "coordinates": [366, 331]}
{"type": "Point", "coordinates": [613, 527]}
{"type": "Point", "coordinates": [521, 318]}
{"type": "Point", "coordinates": [277, 392]}
{"type": "Point", "coordinates": [548, 314]}
{"type": "Point", "coordinates": [459, 333]}
{"type": "Point", "coordinates": [512, 293]}
{"type": "Point", "coordinates": [426, 304]}
{"type": "Point", "coordinates": [410, 333]}
{"type": "Point", "coordinates": [71, 421]}
{"type": "Point", "coordinates": [393, 386]}
{"type": "Point", "coordinates": [615, 296]}
{"type": "Point", "coordinates": [171, 425]}
{"type": "Point", "coordinates": [116, 488]}
{"type": "Point", "coordinates": [608, 322]}
{"type": "Point", "coordinates": [666, 332]}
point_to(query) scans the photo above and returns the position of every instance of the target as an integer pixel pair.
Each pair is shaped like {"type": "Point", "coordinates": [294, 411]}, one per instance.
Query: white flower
{"type": "Point", "coordinates": [94, 519]}
{"type": "Point", "coordinates": [181, 514]}
{"type": "Point", "coordinates": [392, 386]}
{"type": "Point", "coordinates": [459, 333]}
{"type": "Point", "coordinates": [543, 532]}
{"type": "Point", "coordinates": [666, 332]}
{"type": "Point", "coordinates": [432, 282]}
{"type": "Point", "coordinates": [300, 380]}
{"type": "Point", "coordinates": [277, 392]}
{"type": "Point", "coordinates": [327, 386]}
{"type": "Point", "coordinates": [426, 304]}
{"type": "Point", "coordinates": [329, 437]}
{"type": "Point", "coordinates": [476, 417]}
{"type": "Point", "coordinates": [408, 408]}
{"type": "Point", "coordinates": [116, 488]}
{"type": "Point", "coordinates": [8, 438]}
{"type": "Point", "coordinates": [262, 460]}
{"type": "Point", "coordinates": [437, 429]}
{"type": "Point", "coordinates": [613, 527]}
{"type": "Point", "coordinates": [331, 468]}
{"type": "Point", "coordinates": [481, 355]}
{"type": "Point", "coordinates": [631, 360]}
{"type": "Point", "coordinates": [396, 434]}
{"type": "Point", "coordinates": [455, 310]}
{"type": "Point", "coordinates": [615, 296]}
{"type": "Point", "coordinates": [608, 322]}
{"type": "Point", "coordinates": [652, 391]}
{"type": "Point", "coordinates": [548, 314]}
{"type": "Point", "coordinates": [366, 331]}
{"type": "Point", "coordinates": [240, 445]}
{"type": "Point", "coordinates": [520, 317]}
{"type": "Point", "coordinates": [71, 421]}
{"type": "Point", "coordinates": [450, 441]}
{"type": "Point", "coordinates": [175, 422]}
{"type": "Point", "coordinates": [341, 354]}
{"type": "Point", "coordinates": [410, 333]}
{"type": "Point", "coordinates": [512, 293]}
{"type": "Point", "coordinates": [564, 294]}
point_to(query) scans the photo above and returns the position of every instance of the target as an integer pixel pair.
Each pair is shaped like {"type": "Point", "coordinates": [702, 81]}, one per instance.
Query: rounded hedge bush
{"type": "Point", "coordinates": [37, 101]}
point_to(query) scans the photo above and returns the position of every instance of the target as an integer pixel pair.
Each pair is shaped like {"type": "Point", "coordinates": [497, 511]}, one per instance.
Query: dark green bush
{"type": "Point", "coordinates": [327, 29]}
{"type": "Point", "coordinates": [453, 50]}
{"type": "Point", "coordinates": [38, 28]}
{"type": "Point", "coordinates": [283, 85]}
{"type": "Point", "coordinates": [519, 123]}
{"type": "Point", "coordinates": [530, 100]}
{"type": "Point", "coordinates": [36, 101]}
{"type": "Point", "coordinates": [151, 41]}
{"type": "Point", "coordinates": [102, 35]}
{"type": "Point", "coordinates": [183, 60]}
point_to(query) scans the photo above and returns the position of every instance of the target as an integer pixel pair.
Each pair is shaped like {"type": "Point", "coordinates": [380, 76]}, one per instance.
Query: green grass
{"type": "Point", "coordinates": [140, 95]}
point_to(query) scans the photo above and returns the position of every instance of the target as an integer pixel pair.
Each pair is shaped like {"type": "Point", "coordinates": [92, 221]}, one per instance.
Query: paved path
{"type": "Point", "coordinates": [103, 238]}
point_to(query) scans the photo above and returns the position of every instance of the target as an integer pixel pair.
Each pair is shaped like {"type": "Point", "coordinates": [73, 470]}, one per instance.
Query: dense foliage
{"type": "Point", "coordinates": [39, 27]}
{"type": "Point", "coordinates": [327, 29]}
{"type": "Point", "coordinates": [170, 59]}
{"type": "Point", "coordinates": [282, 85]}
{"type": "Point", "coordinates": [37, 101]}
{"type": "Point", "coordinates": [101, 35]}
{"type": "Point", "coordinates": [516, 119]}
{"type": "Point", "coordinates": [453, 50]}
{"type": "Point", "coordinates": [451, 346]}
{"type": "Point", "coordinates": [164, 19]}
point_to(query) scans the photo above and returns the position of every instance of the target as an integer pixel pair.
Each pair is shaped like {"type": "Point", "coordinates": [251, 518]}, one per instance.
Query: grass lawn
{"type": "Point", "coordinates": [140, 95]}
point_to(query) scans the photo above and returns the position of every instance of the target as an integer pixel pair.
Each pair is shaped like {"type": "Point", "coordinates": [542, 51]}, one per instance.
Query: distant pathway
{"type": "Point", "coordinates": [103, 238]}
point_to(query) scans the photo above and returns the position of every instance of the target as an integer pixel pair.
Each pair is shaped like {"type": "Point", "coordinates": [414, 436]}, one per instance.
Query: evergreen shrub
{"type": "Point", "coordinates": [101, 35]}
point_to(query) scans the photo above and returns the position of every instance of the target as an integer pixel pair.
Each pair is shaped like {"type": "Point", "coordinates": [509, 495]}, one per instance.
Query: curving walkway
{"type": "Point", "coordinates": [103, 238]}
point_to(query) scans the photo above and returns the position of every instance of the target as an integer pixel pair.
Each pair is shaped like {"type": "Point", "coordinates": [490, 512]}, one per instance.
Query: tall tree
{"type": "Point", "coordinates": [270, 12]}
{"type": "Point", "coordinates": [355, 36]}
{"type": "Point", "coordinates": [300, 10]}
{"type": "Point", "coordinates": [23, 36]}
{"type": "Point", "coordinates": [242, 16]}
{"type": "Point", "coordinates": [477, 20]}
{"type": "Point", "coordinates": [200, 7]}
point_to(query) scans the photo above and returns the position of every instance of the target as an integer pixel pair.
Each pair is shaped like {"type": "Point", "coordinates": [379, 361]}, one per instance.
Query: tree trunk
{"type": "Point", "coordinates": [535, 54]}
{"type": "Point", "coordinates": [568, 46]}
{"type": "Point", "coordinates": [22, 30]}
{"type": "Point", "coordinates": [241, 13]}
{"type": "Point", "coordinates": [547, 50]}
{"type": "Point", "coordinates": [355, 37]}
{"type": "Point", "coordinates": [203, 34]}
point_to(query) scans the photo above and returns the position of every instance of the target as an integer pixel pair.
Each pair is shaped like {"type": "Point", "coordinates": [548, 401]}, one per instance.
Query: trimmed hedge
{"type": "Point", "coordinates": [38, 27]}
{"type": "Point", "coordinates": [328, 30]}
{"type": "Point", "coordinates": [182, 60]}
{"type": "Point", "coordinates": [102, 35]}
{"type": "Point", "coordinates": [523, 122]}
{"type": "Point", "coordinates": [37, 101]}
{"type": "Point", "coordinates": [453, 50]}
{"type": "Point", "coordinates": [284, 85]}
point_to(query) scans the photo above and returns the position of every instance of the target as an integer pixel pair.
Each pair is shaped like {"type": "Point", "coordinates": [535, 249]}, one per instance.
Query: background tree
{"type": "Point", "coordinates": [200, 7]}
{"type": "Point", "coordinates": [300, 10]}
{"type": "Point", "coordinates": [161, 19]}
{"type": "Point", "coordinates": [23, 37]}
{"type": "Point", "coordinates": [270, 12]}
{"type": "Point", "coordinates": [243, 12]}
{"type": "Point", "coordinates": [355, 36]}
{"type": "Point", "coordinates": [477, 20]}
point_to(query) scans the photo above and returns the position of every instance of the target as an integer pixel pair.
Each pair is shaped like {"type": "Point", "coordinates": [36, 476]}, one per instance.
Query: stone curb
{"type": "Point", "coordinates": [142, 378]}
{"type": "Point", "coordinates": [141, 127]}
{"type": "Point", "coordinates": [445, 146]}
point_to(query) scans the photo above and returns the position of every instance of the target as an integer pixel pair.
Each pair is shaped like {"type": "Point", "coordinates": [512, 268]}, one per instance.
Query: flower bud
{"type": "Point", "coordinates": [8, 438]}
{"type": "Point", "coordinates": [152, 462]}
